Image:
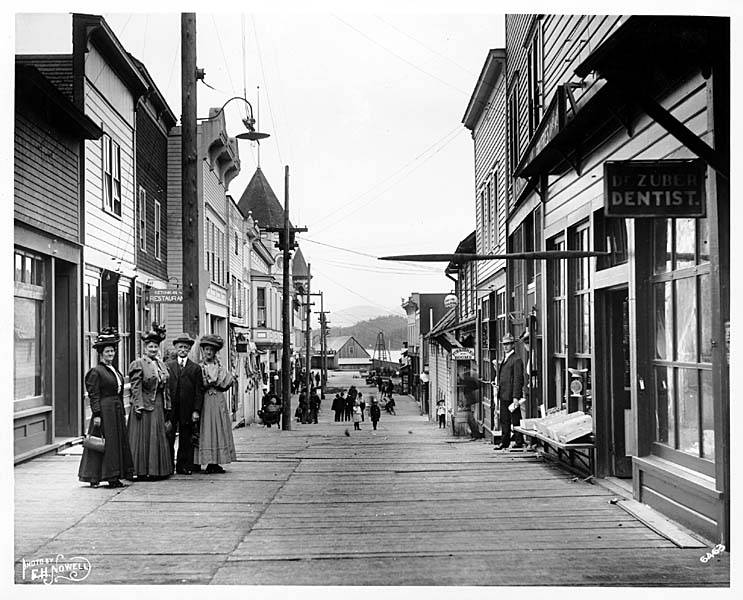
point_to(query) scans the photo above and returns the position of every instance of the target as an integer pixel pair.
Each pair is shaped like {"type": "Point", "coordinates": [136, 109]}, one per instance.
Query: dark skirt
{"type": "Point", "coordinates": [115, 461]}
{"type": "Point", "coordinates": [149, 442]}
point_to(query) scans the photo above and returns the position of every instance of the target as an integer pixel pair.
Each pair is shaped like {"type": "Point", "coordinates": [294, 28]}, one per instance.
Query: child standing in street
{"type": "Point", "coordinates": [441, 414]}
{"type": "Point", "coordinates": [356, 416]}
{"type": "Point", "coordinates": [374, 412]}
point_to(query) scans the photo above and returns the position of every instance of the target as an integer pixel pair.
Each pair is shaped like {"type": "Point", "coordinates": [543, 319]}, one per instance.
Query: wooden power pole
{"type": "Point", "coordinates": [189, 194]}
{"type": "Point", "coordinates": [286, 393]}
{"type": "Point", "coordinates": [308, 337]}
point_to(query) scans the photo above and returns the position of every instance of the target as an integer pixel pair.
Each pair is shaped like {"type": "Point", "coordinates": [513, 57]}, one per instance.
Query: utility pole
{"type": "Point", "coordinates": [286, 396]}
{"type": "Point", "coordinates": [286, 244]}
{"type": "Point", "coordinates": [323, 337]}
{"type": "Point", "coordinates": [308, 338]}
{"type": "Point", "coordinates": [189, 194]}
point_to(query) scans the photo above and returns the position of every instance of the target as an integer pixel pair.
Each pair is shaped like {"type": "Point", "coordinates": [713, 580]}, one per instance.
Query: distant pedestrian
{"type": "Point", "coordinates": [338, 407]}
{"type": "Point", "coordinates": [314, 406]}
{"type": "Point", "coordinates": [356, 416]}
{"type": "Point", "coordinates": [441, 414]}
{"type": "Point", "coordinates": [348, 403]}
{"type": "Point", "coordinates": [317, 379]}
{"type": "Point", "coordinates": [362, 404]}
{"type": "Point", "coordinates": [389, 406]}
{"type": "Point", "coordinates": [105, 386]}
{"type": "Point", "coordinates": [374, 412]}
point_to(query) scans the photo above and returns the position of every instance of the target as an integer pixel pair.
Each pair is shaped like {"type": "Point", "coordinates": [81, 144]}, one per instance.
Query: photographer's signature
{"type": "Point", "coordinates": [52, 569]}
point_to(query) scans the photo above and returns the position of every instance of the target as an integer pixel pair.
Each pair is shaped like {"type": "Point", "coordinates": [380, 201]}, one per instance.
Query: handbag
{"type": "Point", "coordinates": [94, 443]}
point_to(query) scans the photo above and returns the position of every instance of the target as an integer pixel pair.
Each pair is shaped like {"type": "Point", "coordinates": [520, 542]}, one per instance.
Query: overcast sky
{"type": "Point", "coordinates": [365, 109]}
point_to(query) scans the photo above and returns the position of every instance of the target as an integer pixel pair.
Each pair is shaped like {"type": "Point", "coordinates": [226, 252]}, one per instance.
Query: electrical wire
{"type": "Point", "coordinates": [268, 92]}
{"type": "Point", "coordinates": [411, 264]}
{"type": "Point", "coordinates": [433, 51]}
{"type": "Point", "coordinates": [388, 178]}
{"type": "Point", "coordinates": [224, 56]}
{"type": "Point", "coordinates": [402, 58]}
{"type": "Point", "coordinates": [370, 200]}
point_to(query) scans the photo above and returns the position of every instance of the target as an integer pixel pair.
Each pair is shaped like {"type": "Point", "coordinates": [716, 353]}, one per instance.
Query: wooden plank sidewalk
{"type": "Point", "coordinates": [404, 505]}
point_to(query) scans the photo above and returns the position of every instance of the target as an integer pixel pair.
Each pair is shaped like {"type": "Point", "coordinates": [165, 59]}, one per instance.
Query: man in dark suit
{"type": "Point", "coordinates": [187, 397]}
{"type": "Point", "coordinates": [510, 382]}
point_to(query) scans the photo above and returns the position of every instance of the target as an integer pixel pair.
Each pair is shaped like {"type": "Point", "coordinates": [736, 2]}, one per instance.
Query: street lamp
{"type": "Point", "coordinates": [249, 122]}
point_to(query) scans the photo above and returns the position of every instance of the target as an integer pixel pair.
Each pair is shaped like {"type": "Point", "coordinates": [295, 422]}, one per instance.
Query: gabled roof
{"type": "Point", "coordinates": [261, 200]}
{"type": "Point", "coordinates": [157, 98]}
{"type": "Point", "coordinates": [336, 343]}
{"type": "Point", "coordinates": [57, 68]}
{"type": "Point", "coordinates": [467, 246]}
{"type": "Point", "coordinates": [492, 70]}
{"type": "Point", "coordinates": [299, 264]}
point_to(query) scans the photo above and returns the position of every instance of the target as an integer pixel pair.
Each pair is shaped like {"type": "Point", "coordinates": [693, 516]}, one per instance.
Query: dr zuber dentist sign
{"type": "Point", "coordinates": [654, 188]}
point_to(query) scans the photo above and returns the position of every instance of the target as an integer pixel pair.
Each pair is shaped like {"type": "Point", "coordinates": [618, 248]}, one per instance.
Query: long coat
{"type": "Point", "coordinates": [510, 379]}
{"type": "Point", "coordinates": [106, 402]}
{"type": "Point", "coordinates": [186, 389]}
{"type": "Point", "coordinates": [143, 376]}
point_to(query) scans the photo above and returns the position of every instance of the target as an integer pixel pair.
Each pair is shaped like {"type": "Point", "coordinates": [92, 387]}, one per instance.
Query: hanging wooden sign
{"type": "Point", "coordinates": [654, 188]}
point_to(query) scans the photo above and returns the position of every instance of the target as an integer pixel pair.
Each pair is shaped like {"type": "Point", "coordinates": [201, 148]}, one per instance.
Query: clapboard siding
{"type": "Point", "coordinates": [152, 165]}
{"type": "Point", "coordinates": [214, 191]}
{"type": "Point", "coordinates": [175, 206]}
{"type": "Point", "coordinates": [490, 155]}
{"type": "Point", "coordinates": [102, 77]}
{"type": "Point", "coordinates": [688, 103]}
{"type": "Point", "coordinates": [45, 182]}
{"type": "Point", "coordinates": [104, 231]}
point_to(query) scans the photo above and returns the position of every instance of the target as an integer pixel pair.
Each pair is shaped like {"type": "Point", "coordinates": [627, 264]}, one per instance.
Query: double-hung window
{"type": "Point", "coordinates": [142, 219]}
{"type": "Point", "coordinates": [111, 153]}
{"type": "Point", "coordinates": [158, 230]}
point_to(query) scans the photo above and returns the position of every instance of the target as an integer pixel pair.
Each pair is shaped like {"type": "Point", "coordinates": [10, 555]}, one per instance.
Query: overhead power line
{"type": "Point", "coordinates": [402, 58]}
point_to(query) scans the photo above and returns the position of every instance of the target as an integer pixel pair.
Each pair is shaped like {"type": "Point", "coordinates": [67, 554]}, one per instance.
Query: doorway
{"type": "Point", "coordinates": [620, 430]}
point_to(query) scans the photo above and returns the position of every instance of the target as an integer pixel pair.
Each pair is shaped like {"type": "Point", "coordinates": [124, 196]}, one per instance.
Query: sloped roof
{"type": "Point", "coordinates": [299, 264]}
{"type": "Point", "coordinates": [336, 343]}
{"type": "Point", "coordinates": [261, 200]}
{"type": "Point", "coordinates": [57, 68]}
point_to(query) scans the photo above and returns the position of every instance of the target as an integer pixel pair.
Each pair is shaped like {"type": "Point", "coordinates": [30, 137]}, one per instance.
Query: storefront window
{"type": "Point", "coordinates": [682, 309]}
{"type": "Point", "coordinates": [27, 348]}
{"type": "Point", "coordinates": [28, 334]}
{"type": "Point", "coordinates": [557, 274]}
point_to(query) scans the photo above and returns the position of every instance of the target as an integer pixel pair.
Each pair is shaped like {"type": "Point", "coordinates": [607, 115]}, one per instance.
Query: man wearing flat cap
{"type": "Point", "coordinates": [510, 382]}
{"type": "Point", "coordinates": [187, 396]}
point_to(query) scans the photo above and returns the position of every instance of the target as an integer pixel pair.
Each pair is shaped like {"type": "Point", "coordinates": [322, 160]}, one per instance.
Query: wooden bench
{"type": "Point", "coordinates": [568, 450]}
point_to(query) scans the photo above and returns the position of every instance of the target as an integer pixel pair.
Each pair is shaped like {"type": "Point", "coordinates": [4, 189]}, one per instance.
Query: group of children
{"type": "Point", "coordinates": [351, 406]}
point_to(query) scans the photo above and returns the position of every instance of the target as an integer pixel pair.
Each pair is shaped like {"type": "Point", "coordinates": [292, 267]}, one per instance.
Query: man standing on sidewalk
{"type": "Point", "coordinates": [510, 380]}
{"type": "Point", "coordinates": [187, 395]}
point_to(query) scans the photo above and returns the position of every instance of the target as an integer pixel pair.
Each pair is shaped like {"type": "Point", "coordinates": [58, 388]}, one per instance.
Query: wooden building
{"type": "Point", "coordinates": [643, 330]}
{"type": "Point", "coordinates": [49, 134]}
{"type": "Point", "coordinates": [346, 354]}
{"type": "Point", "coordinates": [154, 120]}
{"type": "Point", "coordinates": [485, 117]}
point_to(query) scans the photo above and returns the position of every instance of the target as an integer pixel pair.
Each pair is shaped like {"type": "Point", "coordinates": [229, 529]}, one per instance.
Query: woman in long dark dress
{"type": "Point", "coordinates": [105, 386]}
{"type": "Point", "coordinates": [216, 444]}
{"type": "Point", "coordinates": [150, 402]}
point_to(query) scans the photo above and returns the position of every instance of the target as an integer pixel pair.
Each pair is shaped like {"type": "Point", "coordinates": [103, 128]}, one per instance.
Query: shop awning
{"type": "Point", "coordinates": [640, 60]}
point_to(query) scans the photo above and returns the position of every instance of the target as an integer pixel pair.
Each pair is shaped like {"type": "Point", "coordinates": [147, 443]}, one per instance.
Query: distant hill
{"type": "Point", "coordinates": [394, 328]}
{"type": "Point", "coordinates": [355, 314]}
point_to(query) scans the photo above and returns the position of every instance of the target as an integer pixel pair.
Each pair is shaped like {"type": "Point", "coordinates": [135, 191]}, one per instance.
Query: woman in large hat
{"type": "Point", "coordinates": [216, 445]}
{"type": "Point", "coordinates": [105, 386]}
{"type": "Point", "coordinates": [150, 402]}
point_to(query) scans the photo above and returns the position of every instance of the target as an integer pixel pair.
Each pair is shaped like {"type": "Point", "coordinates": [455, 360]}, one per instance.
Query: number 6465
{"type": "Point", "coordinates": [719, 549]}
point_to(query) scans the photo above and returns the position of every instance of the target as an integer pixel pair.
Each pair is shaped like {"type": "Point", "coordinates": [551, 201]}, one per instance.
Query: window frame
{"type": "Point", "coordinates": [142, 218]}
{"type": "Point", "coordinates": [158, 230]}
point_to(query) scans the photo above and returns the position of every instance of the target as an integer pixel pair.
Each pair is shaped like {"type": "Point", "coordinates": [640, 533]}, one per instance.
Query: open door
{"type": "Point", "coordinates": [620, 426]}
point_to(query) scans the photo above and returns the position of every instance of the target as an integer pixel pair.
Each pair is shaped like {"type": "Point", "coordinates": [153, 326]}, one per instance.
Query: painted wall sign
{"type": "Point", "coordinates": [167, 296]}
{"type": "Point", "coordinates": [654, 188]}
{"type": "Point", "coordinates": [463, 354]}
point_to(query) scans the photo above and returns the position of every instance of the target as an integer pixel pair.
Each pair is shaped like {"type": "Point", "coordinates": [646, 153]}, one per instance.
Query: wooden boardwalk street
{"type": "Point", "coordinates": [405, 505]}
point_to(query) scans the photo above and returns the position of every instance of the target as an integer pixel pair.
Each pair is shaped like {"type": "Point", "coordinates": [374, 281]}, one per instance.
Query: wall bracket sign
{"type": "Point", "coordinates": [655, 188]}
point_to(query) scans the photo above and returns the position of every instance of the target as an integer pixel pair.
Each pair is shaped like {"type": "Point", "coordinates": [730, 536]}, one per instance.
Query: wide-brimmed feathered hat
{"type": "Point", "coordinates": [212, 339]}
{"type": "Point", "coordinates": [184, 338]}
{"type": "Point", "coordinates": [156, 334]}
{"type": "Point", "coordinates": [108, 336]}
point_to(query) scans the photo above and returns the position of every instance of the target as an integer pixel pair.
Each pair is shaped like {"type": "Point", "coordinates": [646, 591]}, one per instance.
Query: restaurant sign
{"type": "Point", "coordinates": [166, 296]}
{"type": "Point", "coordinates": [654, 188]}
{"type": "Point", "coordinates": [463, 354]}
